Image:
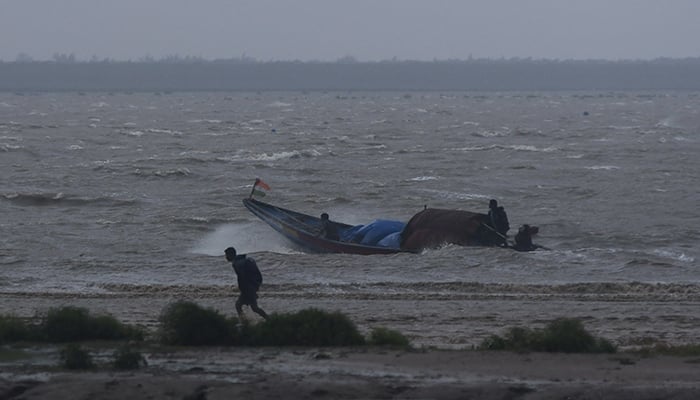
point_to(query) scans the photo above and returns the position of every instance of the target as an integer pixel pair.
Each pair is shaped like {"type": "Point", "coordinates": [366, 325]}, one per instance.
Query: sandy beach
{"type": "Point", "coordinates": [429, 372]}
{"type": "Point", "coordinates": [318, 373]}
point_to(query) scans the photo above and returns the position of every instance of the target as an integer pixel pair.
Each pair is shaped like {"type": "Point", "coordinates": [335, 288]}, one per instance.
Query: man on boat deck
{"type": "Point", "coordinates": [499, 221]}
{"type": "Point", "coordinates": [249, 281]}
{"type": "Point", "coordinates": [328, 228]}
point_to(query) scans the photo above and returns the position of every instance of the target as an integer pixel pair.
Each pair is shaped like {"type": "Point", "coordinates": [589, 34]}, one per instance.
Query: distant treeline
{"type": "Point", "coordinates": [349, 74]}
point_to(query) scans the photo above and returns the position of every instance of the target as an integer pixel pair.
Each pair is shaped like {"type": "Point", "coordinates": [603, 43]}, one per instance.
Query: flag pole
{"type": "Point", "coordinates": [257, 180]}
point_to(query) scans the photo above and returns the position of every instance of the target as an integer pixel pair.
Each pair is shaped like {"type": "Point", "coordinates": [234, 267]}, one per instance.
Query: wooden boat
{"type": "Point", "coordinates": [429, 228]}
{"type": "Point", "coordinates": [303, 230]}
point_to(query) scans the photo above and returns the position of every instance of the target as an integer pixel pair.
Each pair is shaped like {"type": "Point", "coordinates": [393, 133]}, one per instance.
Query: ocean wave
{"type": "Point", "coordinates": [177, 172]}
{"type": "Point", "coordinates": [602, 167]}
{"type": "Point", "coordinates": [285, 155]}
{"type": "Point", "coordinates": [6, 147]}
{"type": "Point", "coordinates": [517, 147]}
{"type": "Point", "coordinates": [524, 147]}
{"type": "Point", "coordinates": [490, 133]}
{"type": "Point", "coordinates": [59, 199]}
{"type": "Point", "coordinates": [166, 131]}
{"type": "Point", "coordinates": [206, 121]}
{"type": "Point", "coordinates": [279, 104]}
{"type": "Point", "coordinates": [674, 255]}
{"type": "Point", "coordinates": [134, 132]}
{"type": "Point", "coordinates": [423, 178]}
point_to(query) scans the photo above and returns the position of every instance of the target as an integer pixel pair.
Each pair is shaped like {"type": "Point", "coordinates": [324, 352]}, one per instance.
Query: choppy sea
{"type": "Point", "coordinates": [104, 193]}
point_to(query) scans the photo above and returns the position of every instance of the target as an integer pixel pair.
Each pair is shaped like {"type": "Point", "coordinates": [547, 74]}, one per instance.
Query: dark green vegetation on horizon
{"type": "Point", "coordinates": [452, 75]}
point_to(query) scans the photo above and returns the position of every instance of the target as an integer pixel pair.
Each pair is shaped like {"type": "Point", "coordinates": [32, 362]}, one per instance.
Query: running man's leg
{"type": "Point", "coordinates": [258, 310]}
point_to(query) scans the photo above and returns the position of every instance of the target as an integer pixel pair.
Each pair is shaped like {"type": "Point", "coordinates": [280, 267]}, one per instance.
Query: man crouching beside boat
{"type": "Point", "coordinates": [523, 239]}
{"type": "Point", "coordinates": [249, 281]}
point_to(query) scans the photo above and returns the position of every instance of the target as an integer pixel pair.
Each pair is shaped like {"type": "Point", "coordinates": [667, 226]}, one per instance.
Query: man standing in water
{"type": "Point", "coordinates": [249, 281]}
{"type": "Point", "coordinates": [499, 221]}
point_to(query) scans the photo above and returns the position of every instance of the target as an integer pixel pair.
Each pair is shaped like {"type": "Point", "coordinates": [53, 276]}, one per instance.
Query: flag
{"type": "Point", "coordinates": [262, 184]}
{"type": "Point", "coordinates": [257, 186]}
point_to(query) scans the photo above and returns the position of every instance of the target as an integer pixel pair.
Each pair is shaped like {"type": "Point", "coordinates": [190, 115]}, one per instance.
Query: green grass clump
{"type": "Point", "coordinates": [564, 335]}
{"type": "Point", "coordinates": [388, 337]}
{"type": "Point", "coordinates": [75, 357]}
{"type": "Point", "coordinates": [309, 327]}
{"type": "Point", "coordinates": [126, 358]}
{"type": "Point", "coordinates": [13, 329]}
{"type": "Point", "coordinates": [70, 324]}
{"type": "Point", "coordinates": [185, 323]}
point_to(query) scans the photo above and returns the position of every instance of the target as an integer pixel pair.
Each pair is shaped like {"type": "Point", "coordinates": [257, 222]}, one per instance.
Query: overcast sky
{"type": "Point", "coordinates": [365, 29]}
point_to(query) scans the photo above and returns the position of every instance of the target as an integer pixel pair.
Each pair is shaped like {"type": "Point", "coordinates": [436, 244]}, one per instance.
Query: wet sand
{"type": "Point", "coordinates": [272, 373]}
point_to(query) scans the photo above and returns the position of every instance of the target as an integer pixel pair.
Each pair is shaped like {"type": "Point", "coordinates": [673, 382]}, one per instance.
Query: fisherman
{"type": "Point", "coordinates": [328, 228]}
{"type": "Point", "coordinates": [249, 281]}
{"type": "Point", "coordinates": [523, 239]}
{"type": "Point", "coordinates": [499, 222]}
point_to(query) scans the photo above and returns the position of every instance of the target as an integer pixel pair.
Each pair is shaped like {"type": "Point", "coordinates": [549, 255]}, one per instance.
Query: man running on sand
{"type": "Point", "coordinates": [249, 281]}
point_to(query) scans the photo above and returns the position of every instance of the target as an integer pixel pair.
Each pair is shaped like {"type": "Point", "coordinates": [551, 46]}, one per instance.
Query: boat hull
{"type": "Point", "coordinates": [302, 230]}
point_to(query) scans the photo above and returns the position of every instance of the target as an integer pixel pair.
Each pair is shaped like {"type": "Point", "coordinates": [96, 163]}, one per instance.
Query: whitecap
{"type": "Point", "coordinates": [9, 147]}
{"type": "Point", "coordinates": [423, 178]}
{"type": "Point", "coordinates": [603, 167]}
{"type": "Point", "coordinates": [75, 147]}
{"type": "Point", "coordinates": [276, 156]}
{"type": "Point", "coordinates": [166, 131]}
{"type": "Point", "coordinates": [279, 104]}
{"type": "Point", "coordinates": [487, 134]}
{"type": "Point", "coordinates": [208, 121]}
{"type": "Point", "coordinates": [523, 147]}
{"type": "Point", "coordinates": [674, 255]}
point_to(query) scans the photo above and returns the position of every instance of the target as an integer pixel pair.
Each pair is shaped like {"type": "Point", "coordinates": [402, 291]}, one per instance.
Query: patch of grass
{"type": "Point", "coordinates": [185, 323]}
{"type": "Point", "coordinates": [13, 329]}
{"type": "Point", "coordinates": [127, 358]}
{"type": "Point", "coordinates": [69, 324]}
{"type": "Point", "coordinates": [388, 337]}
{"type": "Point", "coordinates": [563, 335]}
{"type": "Point", "coordinates": [309, 327]}
{"type": "Point", "coordinates": [75, 357]}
